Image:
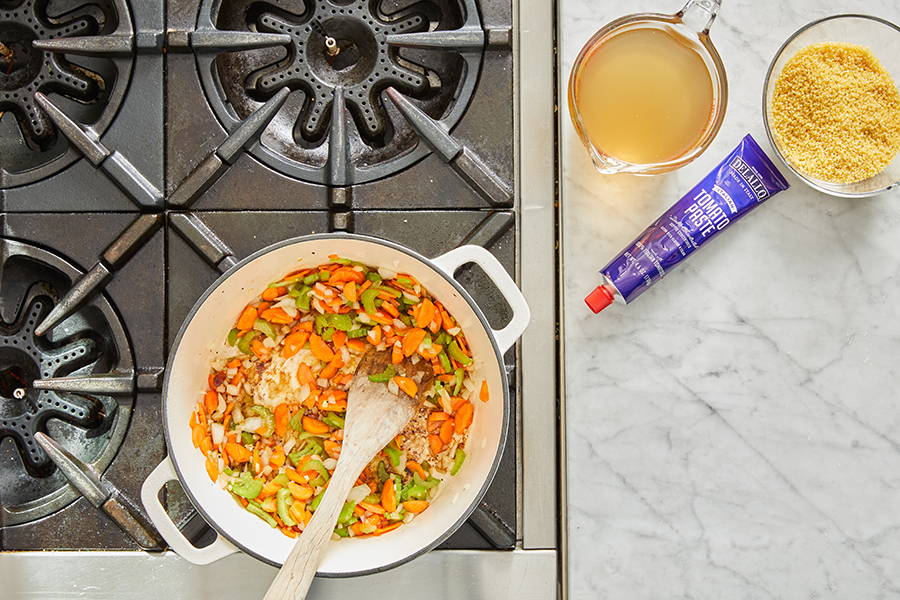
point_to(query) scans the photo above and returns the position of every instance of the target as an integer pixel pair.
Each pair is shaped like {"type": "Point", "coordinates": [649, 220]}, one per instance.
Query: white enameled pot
{"type": "Point", "coordinates": [201, 337]}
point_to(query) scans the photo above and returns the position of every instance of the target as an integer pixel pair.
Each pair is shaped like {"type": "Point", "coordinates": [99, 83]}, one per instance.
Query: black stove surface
{"type": "Point", "coordinates": [149, 208]}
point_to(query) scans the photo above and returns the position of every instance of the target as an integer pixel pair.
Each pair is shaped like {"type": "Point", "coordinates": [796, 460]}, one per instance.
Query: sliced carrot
{"type": "Point", "coordinates": [270, 488]}
{"type": "Point", "coordinates": [381, 318]}
{"type": "Point", "coordinates": [386, 528]}
{"type": "Point", "coordinates": [212, 469]}
{"type": "Point", "coordinates": [210, 400]}
{"type": "Point", "coordinates": [356, 345]}
{"type": "Point", "coordinates": [320, 348]}
{"type": "Point", "coordinates": [412, 340]}
{"type": "Point", "coordinates": [396, 354]}
{"type": "Point", "coordinates": [446, 433]}
{"type": "Point", "coordinates": [305, 375]}
{"type": "Point", "coordinates": [291, 533]}
{"type": "Point", "coordinates": [407, 385]}
{"type": "Point", "coordinates": [464, 416]}
{"type": "Point", "coordinates": [425, 314]}
{"type": "Point", "coordinates": [415, 506]}
{"type": "Point", "coordinates": [435, 444]}
{"type": "Point", "coordinates": [277, 459]}
{"type": "Point", "coordinates": [293, 343]}
{"type": "Point", "coordinates": [332, 448]}
{"type": "Point", "coordinates": [314, 426]}
{"type": "Point", "coordinates": [276, 315]}
{"type": "Point", "coordinates": [273, 292]}
{"type": "Point", "coordinates": [431, 352]}
{"type": "Point", "coordinates": [300, 492]}
{"type": "Point", "coordinates": [333, 400]}
{"type": "Point", "coordinates": [338, 339]}
{"type": "Point", "coordinates": [332, 368]}
{"type": "Point", "coordinates": [206, 444]}
{"type": "Point", "coordinates": [374, 335]}
{"type": "Point", "coordinates": [237, 452]}
{"type": "Point", "coordinates": [416, 468]}
{"type": "Point", "coordinates": [234, 363]}
{"type": "Point", "coordinates": [282, 414]}
{"type": "Point", "coordinates": [198, 432]}
{"type": "Point", "coordinates": [456, 402]}
{"type": "Point", "coordinates": [391, 308]}
{"type": "Point", "coordinates": [483, 395]}
{"type": "Point", "coordinates": [438, 415]}
{"type": "Point", "coordinates": [344, 274]}
{"type": "Point", "coordinates": [389, 496]}
{"type": "Point", "coordinates": [247, 318]}
{"type": "Point", "coordinates": [259, 349]}
{"type": "Point", "coordinates": [372, 508]}
{"type": "Point", "coordinates": [350, 291]}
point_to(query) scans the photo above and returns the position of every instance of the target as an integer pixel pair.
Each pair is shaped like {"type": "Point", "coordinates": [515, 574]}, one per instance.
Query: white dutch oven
{"type": "Point", "coordinates": [209, 322]}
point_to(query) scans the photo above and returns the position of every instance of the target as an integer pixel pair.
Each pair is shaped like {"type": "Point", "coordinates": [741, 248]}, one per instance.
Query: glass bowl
{"type": "Point", "coordinates": [883, 39]}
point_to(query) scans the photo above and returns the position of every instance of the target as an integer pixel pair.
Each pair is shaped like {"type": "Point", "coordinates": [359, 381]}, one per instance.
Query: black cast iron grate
{"type": "Point", "coordinates": [25, 70]}
{"type": "Point", "coordinates": [25, 357]}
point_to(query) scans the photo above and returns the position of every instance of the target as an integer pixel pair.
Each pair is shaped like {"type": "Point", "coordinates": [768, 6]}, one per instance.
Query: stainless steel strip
{"type": "Point", "coordinates": [462, 574]}
{"type": "Point", "coordinates": [539, 393]}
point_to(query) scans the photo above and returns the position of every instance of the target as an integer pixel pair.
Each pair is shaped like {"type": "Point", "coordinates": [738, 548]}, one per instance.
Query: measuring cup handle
{"type": "Point", "coordinates": [700, 14]}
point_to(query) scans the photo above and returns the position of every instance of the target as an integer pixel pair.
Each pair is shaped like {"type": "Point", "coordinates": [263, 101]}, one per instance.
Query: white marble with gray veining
{"type": "Point", "coordinates": [734, 433]}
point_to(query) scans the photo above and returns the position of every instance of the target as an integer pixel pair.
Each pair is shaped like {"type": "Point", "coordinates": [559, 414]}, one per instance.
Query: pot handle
{"type": "Point", "coordinates": [521, 314]}
{"type": "Point", "coordinates": [163, 473]}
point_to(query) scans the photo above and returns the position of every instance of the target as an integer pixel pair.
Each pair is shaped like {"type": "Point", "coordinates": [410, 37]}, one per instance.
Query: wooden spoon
{"type": "Point", "coordinates": [374, 417]}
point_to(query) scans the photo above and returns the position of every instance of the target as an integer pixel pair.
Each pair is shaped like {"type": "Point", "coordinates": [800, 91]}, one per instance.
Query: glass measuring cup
{"type": "Point", "coordinates": [691, 26]}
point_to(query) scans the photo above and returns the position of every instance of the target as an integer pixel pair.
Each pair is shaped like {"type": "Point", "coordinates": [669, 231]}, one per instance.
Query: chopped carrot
{"type": "Point", "coordinates": [407, 385]}
{"type": "Point", "coordinates": [332, 448]}
{"type": "Point", "coordinates": [431, 352]}
{"type": "Point", "coordinates": [338, 339]}
{"type": "Point", "coordinates": [438, 415]}
{"type": "Point", "coordinates": [206, 444]}
{"type": "Point", "coordinates": [315, 426]}
{"type": "Point", "coordinates": [389, 496]}
{"type": "Point", "coordinates": [391, 308]}
{"type": "Point", "coordinates": [288, 531]}
{"type": "Point", "coordinates": [320, 348]}
{"type": "Point", "coordinates": [332, 368]}
{"type": "Point", "coordinates": [483, 394]}
{"type": "Point", "coordinates": [416, 468]}
{"type": "Point", "coordinates": [396, 354]}
{"type": "Point", "coordinates": [464, 416]}
{"type": "Point", "coordinates": [374, 335]}
{"type": "Point", "coordinates": [270, 488]}
{"type": "Point", "coordinates": [277, 459]}
{"type": "Point", "coordinates": [350, 291]}
{"type": "Point", "coordinates": [247, 318]}
{"type": "Point", "coordinates": [356, 345]}
{"type": "Point", "coordinates": [237, 452]}
{"type": "Point", "coordinates": [435, 444]}
{"type": "Point", "coordinates": [212, 469]}
{"type": "Point", "coordinates": [300, 492]}
{"type": "Point", "coordinates": [344, 274]}
{"type": "Point", "coordinates": [276, 315]}
{"type": "Point", "coordinates": [412, 340]}
{"type": "Point", "coordinates": [446, 433]}
{"type": "Point", "coordinates": [386, 528]}
{"type": "Point", "coordinates": [305, 375]}
{"type": "Point", "coordinates": [273, 292]}
{"type": "Point", "coordinates": [372, 508]}
{"type": "Point", "coordinates": [333, 400]}
{"type": "Point", "coordinates": [282, 414]}
{"type": "Point", "coordinates": [198, 432]}
{"type": "Point", "coordinates": [415, 506]}
{"type": "Point", "coordinates": [259, 349]}
{"type": "Point", "coordinates": [210, 400]}
{"type": "Point", "coordinates": [293, 343]}
{"type": "Point", "coordinates": [381, 318]}
{"type": "Point", "coordinates": [425, 314]}
{"type": "Point", "coordinates": [234, 363]}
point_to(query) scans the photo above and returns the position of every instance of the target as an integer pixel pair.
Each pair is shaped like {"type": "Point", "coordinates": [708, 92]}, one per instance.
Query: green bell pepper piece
{"type": "Point", "coordinates": [393, 455]}
{"type": "Point", "coordinates": [244, 343]}
{"type": "Point", "coordinates": [456, 354]}
{"type": "Point", "coordinates": [384, 376]}
{"type": "Point", "coordinates": [367, 298]}
{"type": "Point", "coordinates": [333, 420]}
{"type": "Point", "coordinates": [233, 336]}
{"type": "Point", "coordinates": [346, 513]}
{"type": "Point", "coordinates": [458, 461]}
{"type": "Point", "coordinates": [259, 512]}
{"type": "Point", "coordinates": [458, 381]}
{"type": "Point", "coordinates": [247, 438]}
{"type": "Point", "coordinates": [246, 486]}
{"type": "Point", "coordinates": [265, 327]}
{"type": "Point", "coordinates": [267, 417]}
{"type": "Point", "coordinates": [283, 502]}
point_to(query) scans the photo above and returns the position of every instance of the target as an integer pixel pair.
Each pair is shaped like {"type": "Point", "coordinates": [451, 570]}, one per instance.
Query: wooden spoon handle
{"type": "Point", "coordinates": [299, 570]}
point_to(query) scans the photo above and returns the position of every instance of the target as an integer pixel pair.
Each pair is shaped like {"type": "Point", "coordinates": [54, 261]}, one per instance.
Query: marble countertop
{"type": "Point", "coordinates": [735, 432]}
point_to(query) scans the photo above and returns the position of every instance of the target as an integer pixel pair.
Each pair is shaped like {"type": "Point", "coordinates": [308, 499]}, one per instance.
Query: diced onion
{"type": "Point", "coordinates": [230, 373]}
{"type": "Point", "coordinates": [358, 493]}
{"type": "Point", "coordinates": [289, 445]}
{"type": "Point", "coordinates": [232, 390]}
{"type": "Point", "coordinates": [393, 388]}
{"type": "Point", "coordinates": [251, 424]}
{"type": "Point", "coordinates": [363, 318]}
{"type": "Point", "coordinates": [218, 433]}
{"type": "Point", "coordinates": [236, 415]}
{"type": "Point", "coordinates": [268, 342]}
{"type": "Point", "coordinates": [386, 273]}
{"type": "Point", "coordinates": [329, 463]}
{"type": "Point", "coordinates": [221, 406]}
{"type": "Point", "coordinates": [454, 331]}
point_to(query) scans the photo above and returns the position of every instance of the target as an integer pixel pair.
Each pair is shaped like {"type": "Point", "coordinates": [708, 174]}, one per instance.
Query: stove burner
{"type": "Point", "coordinates": [86, 81]}
{"type": "Point", "coordinates": [23, 358]}
{"type": "Point", "coordinates": [336, 126]}
{"type": "Point", "coordinates": [89, 341]}
{"type": "Point", "coordinates": [24, 70]}
{"type": "Point", "coordinates": [360, 61]}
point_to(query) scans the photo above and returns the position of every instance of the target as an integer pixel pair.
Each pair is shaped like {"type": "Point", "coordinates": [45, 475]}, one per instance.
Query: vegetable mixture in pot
{"type": "Point", "coordinates": [270, 424]}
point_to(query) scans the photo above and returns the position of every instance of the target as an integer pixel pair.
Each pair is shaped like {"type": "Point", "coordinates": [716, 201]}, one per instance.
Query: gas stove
{"type": "Point", "coordinates": [146, 147]}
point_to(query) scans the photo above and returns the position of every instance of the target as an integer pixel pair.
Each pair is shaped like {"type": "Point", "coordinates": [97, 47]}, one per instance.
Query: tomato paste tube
{"type": "Point", "coordinates": [740, 183]}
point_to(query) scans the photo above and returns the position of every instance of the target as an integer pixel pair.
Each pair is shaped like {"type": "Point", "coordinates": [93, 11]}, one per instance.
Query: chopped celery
{"type": "Point", "coordinates": [265, 327]}
{"type": "Point", "coordinates": [267, 417]}
{"type": "Point", "coordinates": [458, 355]}
{"type": "Point", "coordinates": [282, 503]}
{"type": "Point", "coordinates": [302, 301]}
{"type": "Point", "coordinates": [382, 472]}
{"type": "Point", "coordinates": [333, 420]}
{"type": "Point", "coordinates": [311, 279]}
{"type": "Point", "coordinates": [296, 421]}
{"type": "Point", "coordinates": [357, 333]}
{"type": "Point", "coordinates": [384, 376]}
{"type": "Point", "coordinates": [244, 343]}
{"type": "Point", "coordinates": [393, 455]}
{"type": "Point", "coordinates": [259, 512]}
{"type": "Point", "coordinates": [368, 299]}
{"type": "Point", "coordinates": [327, 333]}
{"type": "Point", "coordinates": [316, 502]}
{"type": "Point", "coordinates": [346, 512]}
{"type": "Point", "coordinates": [324, 275]}
{"type": "Point", "coordinates": [246, 438]}
{"type": "Point", "coordinates": [246, 486]}
{"type": "Point", "coordinates": [458, 460]}
{"type": "Point", "coordinates": [340, 321]}
{"type": "Point", "coordinates": [390, 291]}
{"type": "Point", "coordinates": [374, 277]}
{"type": "Point", "coordinates": [321, 323]}
{"type": "Point", "coordinates": [233, 336]}
{"type": "Point", "coordinates": [458, 381]}
{"type": "Point", "coordinates": [281, 479]}
{"type": "Point", "coordinates": [342, 532]}
{"type": "Point", "coordinates": [445, 361]}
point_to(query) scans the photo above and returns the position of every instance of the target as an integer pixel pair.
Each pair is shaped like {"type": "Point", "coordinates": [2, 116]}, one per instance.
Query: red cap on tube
{"type": "Point", "coordinates": [599, 299]}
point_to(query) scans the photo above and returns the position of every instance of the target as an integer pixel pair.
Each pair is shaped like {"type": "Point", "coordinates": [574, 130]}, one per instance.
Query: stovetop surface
{"type": "Point", "coordinates": [156, 193]}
